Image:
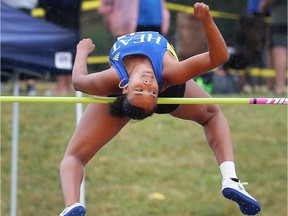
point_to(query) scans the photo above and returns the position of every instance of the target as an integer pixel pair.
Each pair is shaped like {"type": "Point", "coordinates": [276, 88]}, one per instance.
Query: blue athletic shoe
{"type": "Point", "coordinates": [233, 190]}
{"type": "Point", "coordinates": [74, 210]}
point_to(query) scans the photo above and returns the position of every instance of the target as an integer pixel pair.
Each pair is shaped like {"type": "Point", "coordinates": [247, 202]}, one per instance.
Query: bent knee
{"type": "Point", "coordinates": [208, 113]}
{"type": "Point", "coordinates": [71, 161]}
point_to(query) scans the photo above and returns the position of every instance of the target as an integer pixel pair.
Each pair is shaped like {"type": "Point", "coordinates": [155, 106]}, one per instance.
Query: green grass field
{"type": "Point", "coordinates": [159, 155]}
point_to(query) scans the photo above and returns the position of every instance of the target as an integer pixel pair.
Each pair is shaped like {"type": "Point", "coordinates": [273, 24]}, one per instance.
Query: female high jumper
{"type": "Point", "coordinates": [144, 67]}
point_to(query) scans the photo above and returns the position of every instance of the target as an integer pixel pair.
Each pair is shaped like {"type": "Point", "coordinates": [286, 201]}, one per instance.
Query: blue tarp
{"type": "Point", "coordinates": [32, 45]}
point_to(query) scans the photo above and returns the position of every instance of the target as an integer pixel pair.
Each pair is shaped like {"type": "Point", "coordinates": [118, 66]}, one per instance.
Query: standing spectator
{"type": "Point", "coordinates": [65, 13]}
{"type": "Point", "coordinates": [251, 40]}
{"type": "Point", "coordinates": [247, 48]}
{"type": "Point", "coordinates": [256, 20]}
{"type": "Point", "coordinates": [26, 6]}
{"type": "Point", "coordinates": [125, 16]}
{"type": "Point", "coordinates": [278, 41]}
{"type": "Point", "coordinates": [120, 16]}
{"type": "Point", "coordinates": [153, 16]}
{"type": "Point", "coordinates": [255, 31]}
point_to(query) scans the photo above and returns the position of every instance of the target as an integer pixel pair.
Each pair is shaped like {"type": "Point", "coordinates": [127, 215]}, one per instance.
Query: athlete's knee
{"type": "Point", "coordinates": [70, 160]}
{"type": "Point", "coordinates": [209, 112]}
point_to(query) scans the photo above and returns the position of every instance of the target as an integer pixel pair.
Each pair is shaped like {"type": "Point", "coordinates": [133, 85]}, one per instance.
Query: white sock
{"type": "Point", "coordinates": [227, 169]}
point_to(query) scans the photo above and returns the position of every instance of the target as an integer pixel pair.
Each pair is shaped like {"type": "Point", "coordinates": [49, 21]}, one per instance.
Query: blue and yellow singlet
{"type": "Point", "coordinates": [150, 44]}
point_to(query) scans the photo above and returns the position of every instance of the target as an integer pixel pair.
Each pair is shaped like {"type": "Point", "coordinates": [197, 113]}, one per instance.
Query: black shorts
{"type": "Point", "coordinates": [176, 91]}
{"type": "Point", "coordinates": [278, 35]}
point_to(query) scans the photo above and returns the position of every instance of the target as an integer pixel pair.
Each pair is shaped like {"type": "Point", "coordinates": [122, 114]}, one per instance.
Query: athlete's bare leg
{"type": "Point", "coordinates": [211, 118]}
{"type": "Point", "coordinates": [95, 129]}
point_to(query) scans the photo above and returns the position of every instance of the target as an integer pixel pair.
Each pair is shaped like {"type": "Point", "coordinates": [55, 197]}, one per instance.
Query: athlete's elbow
{"type": "Point", "coordinates": [76, 84]}
{"type": "Point", "coordinates": [226, 57]}
{"type": "Point", "coordinates": [222, 59]}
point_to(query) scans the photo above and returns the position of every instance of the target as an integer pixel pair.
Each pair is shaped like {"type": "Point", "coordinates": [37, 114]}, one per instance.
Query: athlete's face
{"type": "Point", "coordinates": [142, 90]}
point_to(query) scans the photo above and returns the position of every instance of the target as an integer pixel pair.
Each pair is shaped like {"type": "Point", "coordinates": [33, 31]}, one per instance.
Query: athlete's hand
{"type": "Point", "coordinates": [85, 46]}
{"type": "Point", "coordinates": [202, 12]}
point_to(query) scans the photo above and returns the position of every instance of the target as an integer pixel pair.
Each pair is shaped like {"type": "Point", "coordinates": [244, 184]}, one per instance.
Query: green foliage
{"type": "Point", "coordinates": [159, 155]}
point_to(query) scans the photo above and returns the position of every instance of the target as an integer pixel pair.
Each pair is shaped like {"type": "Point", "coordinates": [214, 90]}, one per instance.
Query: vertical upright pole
{"type": "Point", "coordinates": [79, 111]}
{"type": "Point", "coordinates": [14, 150]}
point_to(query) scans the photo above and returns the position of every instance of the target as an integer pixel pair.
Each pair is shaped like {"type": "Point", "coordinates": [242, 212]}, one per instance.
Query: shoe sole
{"type": "Point", "coordinates": [77, 211]}
{"type": "Point", "coordinates": [247, 205]}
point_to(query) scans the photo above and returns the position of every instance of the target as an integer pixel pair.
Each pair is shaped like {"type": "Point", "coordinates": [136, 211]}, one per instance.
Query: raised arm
{"type": "Point", "coordinates": [180, 72]}
{"type": "Point", "coordinates": [100, 83]}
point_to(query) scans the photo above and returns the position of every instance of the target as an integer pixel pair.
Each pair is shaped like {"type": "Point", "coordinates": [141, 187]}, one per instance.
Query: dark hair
{"type": "Point", "coordinates": [121, 108]}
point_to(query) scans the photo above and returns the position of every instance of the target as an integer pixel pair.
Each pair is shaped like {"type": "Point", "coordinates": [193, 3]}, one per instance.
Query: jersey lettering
{"type": "Point", "coordinates": [136, 39]}
{"type": "Point", "coordinates": [156, 39]}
